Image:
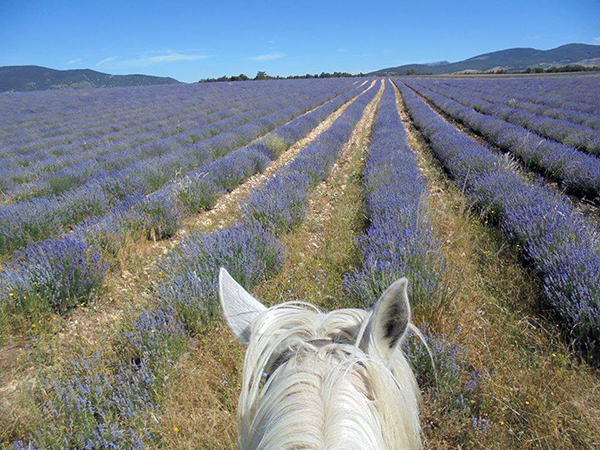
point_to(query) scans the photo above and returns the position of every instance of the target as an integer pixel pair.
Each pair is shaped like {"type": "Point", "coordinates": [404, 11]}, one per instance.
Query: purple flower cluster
{"type": "Point", "coordinates": [398, 240]}
{"type": "Point", "coordinates": [577, 171]}
{"type": "Point", "coordinates": [280, 204]}
{"type": "Point", "coordinates": [93, 407]}
{"type": "Point", "coordinates": [53, 275]}
{"type": "Point", "coordinates": [555, 239]}
{"type": "Point", "coordinates": [454, 385]}
{"type": "Point", "coordinates": [247, 251]}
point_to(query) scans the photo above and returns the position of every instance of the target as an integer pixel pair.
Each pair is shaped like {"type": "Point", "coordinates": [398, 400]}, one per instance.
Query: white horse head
{"type": "Point", "coordinates": [314, 380]}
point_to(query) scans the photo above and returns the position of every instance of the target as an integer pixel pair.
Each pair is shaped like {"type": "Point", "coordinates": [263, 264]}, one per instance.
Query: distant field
{"type": "Point", "coordinates": [119, 205]}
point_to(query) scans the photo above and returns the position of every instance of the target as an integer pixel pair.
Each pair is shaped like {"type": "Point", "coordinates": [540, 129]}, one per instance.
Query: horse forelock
{"type": "Point", "coordinates": [308, 384]}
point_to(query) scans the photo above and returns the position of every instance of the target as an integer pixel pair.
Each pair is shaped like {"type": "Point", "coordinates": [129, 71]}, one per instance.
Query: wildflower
{"type": "Point", "coordinates": [12, 294]}
{"type": "Point", "coordinates": [176, 430]}
{"type": "Point", "coordinates": [554, 355]}
{"type": "Point", "coordinates": [527, 402]}
{"type": "Point", "coordinates": [502, 422]}
{"type": "Point", "coordinates": [33, 325]}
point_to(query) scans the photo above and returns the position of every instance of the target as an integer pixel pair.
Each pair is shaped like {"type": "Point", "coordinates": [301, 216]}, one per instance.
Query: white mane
{"type": "Point", "coordinates": [317, 380]}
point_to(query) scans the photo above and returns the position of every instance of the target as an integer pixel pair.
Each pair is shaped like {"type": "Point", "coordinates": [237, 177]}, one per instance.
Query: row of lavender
{"type": "Point", "coordinates": [555, 239]}
{"type": "Point", "coordinates": [108, 405]}
{"type": "Point", "coordinates": [56, 168]}
{"type": "Point", "coordinates": [578, 172]}
{"type": "Point", "coordinates": [507, 92]}
{"type": "Point", "coordinates": [562, 130]}
{"type": "Point", "coordinates": [399, 242]}
{"type": "Point", "coordinates": [41, 218]}
{"type": "Point", "coordinates": [56, 275]}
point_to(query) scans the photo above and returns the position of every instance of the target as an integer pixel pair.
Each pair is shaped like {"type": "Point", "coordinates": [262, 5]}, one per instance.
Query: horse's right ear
{"type": "Point", "coordinates": [390, 318]}
{"type": "Point", "coordinates": [239, 307]}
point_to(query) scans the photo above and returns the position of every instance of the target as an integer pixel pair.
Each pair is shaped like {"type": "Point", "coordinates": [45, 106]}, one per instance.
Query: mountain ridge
{"type": "Point", "coordinates": [511, 60]}
{"type": "Point", "coordinates": [38, 78]}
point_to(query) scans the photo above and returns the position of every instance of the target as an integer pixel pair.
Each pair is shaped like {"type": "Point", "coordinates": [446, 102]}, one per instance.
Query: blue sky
{"type": "Point", "coordinates": [190, 40]}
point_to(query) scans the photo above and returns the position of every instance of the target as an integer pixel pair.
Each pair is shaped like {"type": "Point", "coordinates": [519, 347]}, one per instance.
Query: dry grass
{"type": "Point", "coordinates": [199, 411]}
{"type": "Point", "coordinates": [537, 394]}
{"type": "Point", "coordinates": [319, 252]}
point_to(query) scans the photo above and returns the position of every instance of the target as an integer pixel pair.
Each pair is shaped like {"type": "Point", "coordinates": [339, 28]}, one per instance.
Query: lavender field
{"type": "Point", "coordinates": [118, 206]}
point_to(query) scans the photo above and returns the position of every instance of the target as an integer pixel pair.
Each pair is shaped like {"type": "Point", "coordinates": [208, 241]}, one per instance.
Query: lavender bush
{"type": "Point", "coordinates": [54, 275]}
{"type": "Point", "coordinates": [446, 374]}
{"type": "Point", "coordinates": [93, 407]}
{"type": "Point", "coordinates": [247, 251]}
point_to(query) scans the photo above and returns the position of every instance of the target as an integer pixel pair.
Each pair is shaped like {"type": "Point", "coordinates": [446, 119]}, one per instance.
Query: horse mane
{"type": "Point", "coordinates": [314, 380]}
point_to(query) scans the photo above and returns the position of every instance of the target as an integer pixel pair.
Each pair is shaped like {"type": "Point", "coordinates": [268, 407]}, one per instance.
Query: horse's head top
{"type": "Point", "coordinates": [378, 331]}
{"type": "Point", "coordinates": [333, 380]}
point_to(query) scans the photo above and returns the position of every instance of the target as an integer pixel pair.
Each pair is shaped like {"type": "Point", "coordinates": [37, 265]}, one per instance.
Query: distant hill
{"type": "Point", "coordinates": [36, 78]}
{"type": "Point", "coordinates": [513, 59]}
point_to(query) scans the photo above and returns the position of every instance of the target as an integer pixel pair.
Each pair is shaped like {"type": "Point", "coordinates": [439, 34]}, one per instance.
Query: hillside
{"type": "Point", "coordinates": [36, 78]}
{"type": "Point", "coordinates": [512, 59]}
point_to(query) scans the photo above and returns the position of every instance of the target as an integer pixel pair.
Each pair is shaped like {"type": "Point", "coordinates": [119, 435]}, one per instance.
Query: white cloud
{"type": "Point", "coordinates": [74, 62]}
{"type": "Point", "coordinates": [268, 56]}
{"type": "Point", "coordinates": [597, 39]}
{"type": "Point", "coordinates": [152, 58]}
{"type": "Point", "coordinates": [163, 59]}
{"type": "Point", "coordinates": [107, 60]}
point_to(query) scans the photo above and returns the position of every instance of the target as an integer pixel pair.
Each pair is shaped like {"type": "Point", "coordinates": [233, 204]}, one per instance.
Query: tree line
{"type": "Point", "coordinates": [261, 75]}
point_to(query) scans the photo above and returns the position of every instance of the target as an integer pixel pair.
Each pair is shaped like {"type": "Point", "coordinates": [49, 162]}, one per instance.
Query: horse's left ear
{"type": "Point", "coordinates": [239, 307]}
{"type": "Point", "coordinates": [390, 318]}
